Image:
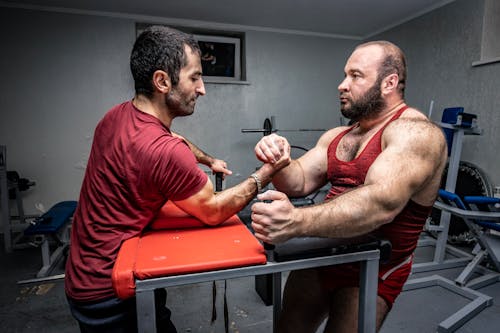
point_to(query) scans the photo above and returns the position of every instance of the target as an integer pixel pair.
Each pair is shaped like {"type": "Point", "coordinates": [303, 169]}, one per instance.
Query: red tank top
{"type": "Point", "coordinates": [403, 232]}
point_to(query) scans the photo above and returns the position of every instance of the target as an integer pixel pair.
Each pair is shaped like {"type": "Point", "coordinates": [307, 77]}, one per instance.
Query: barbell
{"type": "Point", "coordinates": [267, 129]}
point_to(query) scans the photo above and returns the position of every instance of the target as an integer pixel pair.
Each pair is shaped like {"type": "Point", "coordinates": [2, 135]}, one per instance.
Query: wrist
{"type": "Point", "coordinates": [299, 221]}
{"type": "Point", "coordinates": [266, 173]}
{"type": "Point", "coordinates": [257, 180]}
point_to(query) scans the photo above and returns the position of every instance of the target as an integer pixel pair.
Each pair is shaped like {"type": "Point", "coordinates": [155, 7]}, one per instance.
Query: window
{"type": "Point", "coordinates": [220, 58]}
{"type": "Point", "coordinates": [222, 53]}
{"type": "Point", "coordinates": [490, 42]}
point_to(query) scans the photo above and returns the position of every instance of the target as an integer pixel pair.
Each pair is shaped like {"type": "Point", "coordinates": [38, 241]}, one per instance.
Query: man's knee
{"type": "Point", "coordinates": [304, 304]}
{"type": "Point", "coordinates": [344, 306]}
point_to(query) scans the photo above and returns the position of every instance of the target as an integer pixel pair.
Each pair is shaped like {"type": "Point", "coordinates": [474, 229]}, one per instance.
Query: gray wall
{"type": "Point", "coordinates": [440, 48]}
{"type": "Point", "coordinates": [62, 72]}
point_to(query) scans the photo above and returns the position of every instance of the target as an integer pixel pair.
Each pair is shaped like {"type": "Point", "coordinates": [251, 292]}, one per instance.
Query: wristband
{"type": "Point", "coordinates": [257, 182]}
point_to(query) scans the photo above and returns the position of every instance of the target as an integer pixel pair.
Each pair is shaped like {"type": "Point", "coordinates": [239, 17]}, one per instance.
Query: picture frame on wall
{"type": "Point", "coordinates": [220, 57]}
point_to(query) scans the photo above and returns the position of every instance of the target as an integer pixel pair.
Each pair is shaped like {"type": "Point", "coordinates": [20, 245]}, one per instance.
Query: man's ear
{"type": "Point", "coordinates": [161, 82]}
{"type": "Point", "coordinates": [390, 83]}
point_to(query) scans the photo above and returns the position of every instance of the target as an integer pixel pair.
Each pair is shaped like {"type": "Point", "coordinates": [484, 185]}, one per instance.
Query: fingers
{"type": "Point", "coordinates": [260, 235]}
{"type": "Point", "coordinates": [220, 166]}
{"type": "Point", "coordinates": [261, 220]}
{"type": "Point", "coordinates": [270, 219]}
{"type": "Point", "coordinates": [261, 225]}
{"type": "Point", "coordinates": [271, 195]}
{"type": "Point", "coordinates": [271, 148]}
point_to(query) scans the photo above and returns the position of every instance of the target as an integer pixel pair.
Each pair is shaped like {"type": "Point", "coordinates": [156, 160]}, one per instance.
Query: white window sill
{"type": "Point", "coordinates": [485, 62]}
{"type": "Point", "coordinates": [208, 79]}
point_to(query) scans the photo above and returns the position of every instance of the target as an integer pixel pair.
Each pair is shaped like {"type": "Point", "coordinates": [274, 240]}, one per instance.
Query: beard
{"type": "Point", "coordinates": [367, 106]}
{"type": "Point", "coordinates": [179, 103]}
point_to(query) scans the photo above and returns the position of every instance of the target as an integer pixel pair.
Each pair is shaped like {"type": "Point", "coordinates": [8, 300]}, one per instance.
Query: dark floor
{"type": "Point", "coordinates": [41, 307]}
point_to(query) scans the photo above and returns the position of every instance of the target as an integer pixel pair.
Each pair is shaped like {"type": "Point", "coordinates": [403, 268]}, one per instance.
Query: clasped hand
{"type": "Point", "coordinates": [272, 220]}
{"type": "Point", "coordinates": [273, 148]}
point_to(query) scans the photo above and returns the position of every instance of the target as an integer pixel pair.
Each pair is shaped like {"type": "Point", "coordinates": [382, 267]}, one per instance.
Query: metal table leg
{"type": "Point", "coordinates": [276, 299]}
{"type": "Point", "coordinates": [146, 312]}
{"type": "Point", "coordinates": [367, 311]}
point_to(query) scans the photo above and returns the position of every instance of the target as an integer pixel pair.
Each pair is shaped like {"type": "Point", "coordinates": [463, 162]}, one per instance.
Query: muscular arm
{"type": "Point", "coordinates": [412, 160]}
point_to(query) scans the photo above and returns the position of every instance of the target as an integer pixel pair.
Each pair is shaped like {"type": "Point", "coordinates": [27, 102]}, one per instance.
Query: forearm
{"type": "Point", "coordinates": [200, 155]}
{"type": "Point", "coordinates": [234, 199]}
{"type": "Point", "coordinates": [214, 208]}
{"type": "Point", "coordinates": [230, 201]}
{"type": "Point", "coordinates": [352, 214]}
{"type": "Point", "coordinates": [291, 180]}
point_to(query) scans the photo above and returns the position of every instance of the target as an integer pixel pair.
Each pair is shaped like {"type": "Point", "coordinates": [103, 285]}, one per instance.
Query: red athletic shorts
{"type": "Point", "coordinates": [390, 278]}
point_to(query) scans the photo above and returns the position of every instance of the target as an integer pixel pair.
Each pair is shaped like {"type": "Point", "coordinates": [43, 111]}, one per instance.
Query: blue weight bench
{"type": "Point", "coordinates": [481, 214]}
{"type": "Point", "coordinates": [53, 225]}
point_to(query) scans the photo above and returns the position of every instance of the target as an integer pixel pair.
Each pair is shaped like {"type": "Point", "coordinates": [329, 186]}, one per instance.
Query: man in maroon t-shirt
{"type": "Point", "coordinates": [136, 164]}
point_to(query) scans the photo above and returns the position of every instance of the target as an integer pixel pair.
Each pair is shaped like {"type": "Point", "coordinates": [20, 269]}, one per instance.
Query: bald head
{"type": "Point", "coordinates": [392, 61]}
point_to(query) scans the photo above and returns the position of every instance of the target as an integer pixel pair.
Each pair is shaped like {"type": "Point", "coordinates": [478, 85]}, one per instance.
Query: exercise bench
{"type": "Point", "coordinates": [481, 216]}
{"type": "Point", "coordinates": [53, 225]}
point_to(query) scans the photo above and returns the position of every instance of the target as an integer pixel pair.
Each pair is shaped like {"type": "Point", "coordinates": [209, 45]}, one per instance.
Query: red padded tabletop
{"type": "Point", "coordinates": [190, 250]}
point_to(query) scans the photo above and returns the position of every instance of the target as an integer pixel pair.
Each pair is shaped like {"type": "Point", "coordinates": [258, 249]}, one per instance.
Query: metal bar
{"type": "Point", "coordinates": [453, 322]}
{"type": "Point", "coordinates": [276, 299]}
{"type": "Point", "coordinates": [478, 300]}
{"type": "Point", "coordinates": [43, 279]}
{"type": "Point", "coordinates": [260, 130]}
{"type": "Point", "coordinates": [451, 181]}
{"type": "Point", "coordinates": [145, 288]}
{"type": "Point", "coordinates": [301, 130]}
{"type": "Point", "coordinates": [253, 131]}
{"type": "Point", "coordinates": [367, 308]}
{"type": "Point", "coordinates": [468, 214]}
{"type": "Point", "coordinates": [462, 279]}
{"type": "Point", "coordinates": [4, 201]}
{"type": "Point", "coordinates": [270, 267]}
{"type": "Point", "coordinates": [146, 314]}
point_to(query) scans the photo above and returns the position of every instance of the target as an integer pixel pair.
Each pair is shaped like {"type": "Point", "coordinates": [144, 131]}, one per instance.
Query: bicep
{"type": "Point", "coordinates": [407, 163]}
{"type": "Point", "coordinates": [314, 163]}
{"type": "Point", "coordinates": [397, 176]}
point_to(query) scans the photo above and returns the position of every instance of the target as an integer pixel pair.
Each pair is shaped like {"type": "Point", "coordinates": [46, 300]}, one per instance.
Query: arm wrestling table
{"type": "Point", "coordinates": [173, 257]}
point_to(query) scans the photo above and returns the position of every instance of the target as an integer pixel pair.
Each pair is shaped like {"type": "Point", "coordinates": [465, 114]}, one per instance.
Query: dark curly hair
{"type": "Point", "coordinates": [159, 48]}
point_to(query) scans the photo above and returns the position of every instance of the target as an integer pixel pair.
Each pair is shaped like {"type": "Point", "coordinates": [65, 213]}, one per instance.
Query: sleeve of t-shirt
{"type": "Point", "coordinates": [177, 172]}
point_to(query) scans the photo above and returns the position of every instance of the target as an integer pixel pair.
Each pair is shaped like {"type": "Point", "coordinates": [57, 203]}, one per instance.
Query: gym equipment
{"type": "Point", "coordinates": [170, 257]}
{"type": "Point", "coordinates": [4, 200]}
{"type": "Point", "coordinates": [34, 230]}
{"type": "Point", "coordinates": [269, 127]}
{"type": "Point", "coordinates": [456, 125]}
{"type": "Point", "coordinates": [471, 180]}
{"type": "Point", "coordinates": [53, 225]}
{"type": "Point", "coordinates": [481, 216]}
{"type": "Point", "coordinates": [11, 186]}
{"type": "Point", "coordinates": [459, 124]}
{"type": "Point", "coordinates": [478, 301]}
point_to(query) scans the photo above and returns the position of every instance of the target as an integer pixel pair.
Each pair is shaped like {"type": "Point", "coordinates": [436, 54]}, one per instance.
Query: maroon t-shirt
{"type": "Point", "coordinates": [134, 167]}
